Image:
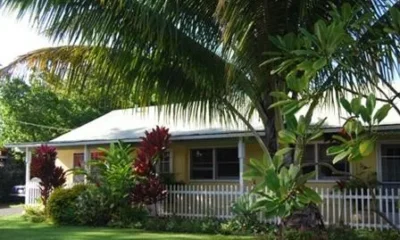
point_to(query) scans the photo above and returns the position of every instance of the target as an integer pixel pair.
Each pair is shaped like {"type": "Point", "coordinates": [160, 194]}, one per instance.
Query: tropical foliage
{"type": "Point", "coordinates": [124, 183]}
{"type": "Point", "coordinates": [113, 179]}
{"type": "Point", "coordinates": [269, 57]}
{"type": "Point", "coordinates": [207, 54]}
{"type": "Point", "coordinates": [43, 166]}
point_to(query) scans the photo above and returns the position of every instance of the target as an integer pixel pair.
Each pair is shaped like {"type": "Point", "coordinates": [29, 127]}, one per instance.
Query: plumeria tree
{"type": "Point", "coordinates": [43, 166]}
{"type": "Point", "coordinates": [321, 52]}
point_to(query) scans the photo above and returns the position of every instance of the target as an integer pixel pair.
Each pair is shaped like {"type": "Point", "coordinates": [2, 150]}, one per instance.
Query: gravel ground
{"type": "Point", "coordinates": [7, 211]}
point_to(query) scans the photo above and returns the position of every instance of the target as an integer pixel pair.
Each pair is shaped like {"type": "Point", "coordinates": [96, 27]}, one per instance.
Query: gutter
{"type": "Point", "coordinates": [202, 136]}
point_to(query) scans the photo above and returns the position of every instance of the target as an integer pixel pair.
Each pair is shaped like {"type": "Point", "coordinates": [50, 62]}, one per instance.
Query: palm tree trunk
{"type": "Point", "coordinates": [274, 122]}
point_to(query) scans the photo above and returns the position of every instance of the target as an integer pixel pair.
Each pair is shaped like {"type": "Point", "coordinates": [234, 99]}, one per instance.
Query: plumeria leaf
{"type": "Point", "coordinates": [382, 113]}
{"type": "Point", "coordinates": [367, 147]}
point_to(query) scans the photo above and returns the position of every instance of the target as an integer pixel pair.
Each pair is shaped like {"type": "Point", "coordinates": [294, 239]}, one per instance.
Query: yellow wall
{"type": "Point", "coordinates": [181, 153]}
{"type": "Point", "coordinates": [65, 157]}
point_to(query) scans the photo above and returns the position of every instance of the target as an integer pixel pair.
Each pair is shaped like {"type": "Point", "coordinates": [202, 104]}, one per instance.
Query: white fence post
{"type": "Point", "coordinates": [28, 160]}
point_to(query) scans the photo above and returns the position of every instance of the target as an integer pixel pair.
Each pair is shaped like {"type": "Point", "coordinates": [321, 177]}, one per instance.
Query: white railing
{"type": "Point", "coordinates": [353, 208]}
{"type": "Point", "coordinates": [32, 192]}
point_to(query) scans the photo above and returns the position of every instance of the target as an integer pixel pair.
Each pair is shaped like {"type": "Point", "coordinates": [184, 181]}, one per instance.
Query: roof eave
{"type": "Point", "coordinates": [129, 140]}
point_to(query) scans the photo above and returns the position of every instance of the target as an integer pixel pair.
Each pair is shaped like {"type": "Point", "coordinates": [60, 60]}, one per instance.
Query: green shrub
{"type": "Point", "coordinates": [96, 207]}
{"type": "Point", "coordinates": [61, 206]}
{"type": "Point", "coordinates": [245, 219]}
{"type": "Point", "coordinates": [34, 214]}
{"type": "Point", "coordinates": [93, 207]}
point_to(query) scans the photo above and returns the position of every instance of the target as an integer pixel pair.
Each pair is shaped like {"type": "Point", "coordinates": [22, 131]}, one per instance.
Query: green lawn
{"type": "Point", "coordinates": [17, 229]}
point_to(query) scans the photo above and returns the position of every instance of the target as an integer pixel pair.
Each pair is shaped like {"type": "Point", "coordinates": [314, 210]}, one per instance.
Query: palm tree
{"type": "Point", "coordinates": [203, 54]}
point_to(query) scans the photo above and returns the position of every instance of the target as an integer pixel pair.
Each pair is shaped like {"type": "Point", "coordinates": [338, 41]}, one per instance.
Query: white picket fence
{"type": "Point", "coordinates": [353, 208]}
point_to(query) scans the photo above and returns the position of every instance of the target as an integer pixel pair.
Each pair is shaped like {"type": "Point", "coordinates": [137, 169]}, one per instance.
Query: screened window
{"type": "Point", "coordinates": [390, 161]}
{"type": "Point", "coordinates": [315, 153]}
{"type": "Point", "coordinates": [214, 163]}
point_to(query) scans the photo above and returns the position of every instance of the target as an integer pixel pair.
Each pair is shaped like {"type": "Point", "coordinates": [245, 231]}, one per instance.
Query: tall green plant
{"type": "Point", "coordinates": [114, 170]}
{"type": "Point", "coordinates": [113, 177]}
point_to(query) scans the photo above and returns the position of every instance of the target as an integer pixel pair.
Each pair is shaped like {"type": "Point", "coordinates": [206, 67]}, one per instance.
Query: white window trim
{"type": "Point", "coordinates": [316, 158]}
{"type": "Point", "coordinates": [379, 159]}
{"type": "Point", "coordinates": [214, 165]}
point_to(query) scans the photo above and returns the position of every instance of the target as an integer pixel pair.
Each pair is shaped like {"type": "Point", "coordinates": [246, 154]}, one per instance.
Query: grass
{"type": "Point", "coordinates": [14, 227]}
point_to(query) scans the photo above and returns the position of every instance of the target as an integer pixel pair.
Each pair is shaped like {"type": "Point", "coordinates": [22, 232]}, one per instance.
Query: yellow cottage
{"type": "Point", "coordinates": [210, 152]}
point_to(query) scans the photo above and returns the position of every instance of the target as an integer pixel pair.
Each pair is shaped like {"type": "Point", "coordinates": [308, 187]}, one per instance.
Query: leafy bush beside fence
{"type": "Point", "coordinates": [61, 206]}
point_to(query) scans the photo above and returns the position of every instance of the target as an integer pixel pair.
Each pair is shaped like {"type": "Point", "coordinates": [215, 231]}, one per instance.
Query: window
{"type": "Point", "coordinates": [214, 163]}
{"type": "Point", "coordinates": [390, 162]}
{"type": "Point", "coordinates": [202, 166]}
{"type": "Point", "coordinates": [164, 165]}
{"type": "Point", "coordinates": [79, 162]}
{"type": "Point", "coordinates": [314, 153]}
{"type": "Point", "coordinates": [309, 157]}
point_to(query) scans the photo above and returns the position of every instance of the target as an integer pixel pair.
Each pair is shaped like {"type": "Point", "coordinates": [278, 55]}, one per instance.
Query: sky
{"type": "Point", "coordinates": [18, 38]}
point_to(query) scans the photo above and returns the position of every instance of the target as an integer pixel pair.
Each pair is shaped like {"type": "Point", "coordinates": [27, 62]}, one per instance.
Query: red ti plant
{"type": "Point", "coordinates": [150, 191]}
{"type": "Point", "coordinates": [43, 166]}
{"type": "Point", "coordinates": [151, 150]}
